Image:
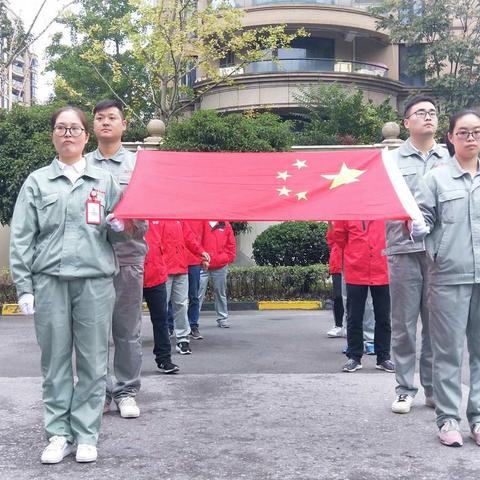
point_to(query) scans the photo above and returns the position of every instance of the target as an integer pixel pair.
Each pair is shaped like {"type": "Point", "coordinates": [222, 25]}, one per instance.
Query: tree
{"type": "Point", "coordinates": [82, 82]}
{"type": "Point", "coordinates": [154, 47]}
{"type": "Point", "coordinates": [335, 115]}
{"type": "Point", "coordinates": [15, 39]}
{"type": "Point", "coordinates": [443, 37]}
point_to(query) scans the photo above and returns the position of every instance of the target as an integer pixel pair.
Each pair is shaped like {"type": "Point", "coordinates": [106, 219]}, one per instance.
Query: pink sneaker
{"type": "Point", "coordinates": [449, 434]}
{"type": "Point", "coordinates": [476, 433]}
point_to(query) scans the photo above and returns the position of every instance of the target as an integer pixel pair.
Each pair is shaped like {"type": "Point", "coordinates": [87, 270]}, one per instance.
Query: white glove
{"type": "Point", "coordinates": [25, 302]}
{"type": "Point", "coordinates": [419, 228]}
{"type": "Point", "coordinates": [116, 224]}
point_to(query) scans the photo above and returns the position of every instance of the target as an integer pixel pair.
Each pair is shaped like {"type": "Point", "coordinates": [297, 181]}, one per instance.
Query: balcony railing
{"type": "Point", "coordinates": [296, 65]}
{"type": "Point", "coordinates": [340, 3]}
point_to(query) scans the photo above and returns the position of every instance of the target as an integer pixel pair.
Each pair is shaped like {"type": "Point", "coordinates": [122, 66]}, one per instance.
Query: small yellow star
{"type": "Point", "coordinates": [301, 195]}
{"type": "Point", "coordinates": [283, 175]}
{"type": "Point", "coordinates": [300, 164]}
{"type": "Point", "coordinates": [283, 191]}
{"type": "Point", "coordinates": [345, 175]}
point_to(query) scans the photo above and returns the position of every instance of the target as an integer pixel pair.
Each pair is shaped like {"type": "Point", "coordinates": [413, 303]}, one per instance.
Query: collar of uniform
{"type": "Point", "coordinates": [56, 170]}
{"type": "Point", "coordinates": [407, 149]}
{"type": "Point", "coordinates": [456, 169]}
{"type": "Point", "coordinates": [79, 166]}
{"type": "Point", "coordinates": [117, 157]}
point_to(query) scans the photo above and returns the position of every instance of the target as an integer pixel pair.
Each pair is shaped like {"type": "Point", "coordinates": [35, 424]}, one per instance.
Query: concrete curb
{"type": "Point", "coordinates": [8, 309]}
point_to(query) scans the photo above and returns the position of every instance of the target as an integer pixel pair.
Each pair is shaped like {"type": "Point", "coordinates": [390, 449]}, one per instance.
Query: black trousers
{"type": "Point", "coordinates": [338, 310]}
{"type": "Point", "coordinates": [356, 298]}
{"type": "Point", "coordinates": [156, 298]}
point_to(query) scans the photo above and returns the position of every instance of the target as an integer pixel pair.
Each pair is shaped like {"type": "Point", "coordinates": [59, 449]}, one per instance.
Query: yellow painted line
{"type": "Point", "coordinates": [11, 309]}
{"type": "Point", "coordinates": [290, 305]}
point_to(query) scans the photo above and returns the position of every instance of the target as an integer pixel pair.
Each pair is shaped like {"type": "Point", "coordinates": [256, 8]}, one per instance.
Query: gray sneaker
{"type": "Point", "coordinates": [352, 365]}
{"type": "Point", "coordinates": [223, 323]}
{"type": "Point", "coordinates": [386, 365]}
{"type": "Point", "coordinates": [195, 334]}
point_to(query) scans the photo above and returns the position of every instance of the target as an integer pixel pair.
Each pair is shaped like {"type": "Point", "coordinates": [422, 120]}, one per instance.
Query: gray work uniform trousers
{"type": "Point", "coordinates": [219, 284]}
{"type": "Point", "coordinates": [454, 313]}
{"type": "Point", "coordinates": [126, 333]}
{"type": "Point", "coordinates": [408, 294]}
{"type": "Point", "coordinates": [73, 314]}
{"type": "Point", "coordinates": [177, 293]}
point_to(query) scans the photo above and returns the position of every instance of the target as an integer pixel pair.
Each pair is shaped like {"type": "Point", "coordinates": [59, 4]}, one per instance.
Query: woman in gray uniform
{"type": "Point", "coordinates": [450, 203]}
{"type": "Point", "coordinates": [62, 264]}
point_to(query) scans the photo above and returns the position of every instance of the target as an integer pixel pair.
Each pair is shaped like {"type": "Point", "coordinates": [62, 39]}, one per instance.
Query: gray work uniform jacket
{"type": "Point", "coordinates": [450, 203]}
{"type": "Point", "coordinates": [49, 232]}
{"type": "Point", "coordinates": [412, 166]}
{"type": "Point", "coordinates": [121, 166]}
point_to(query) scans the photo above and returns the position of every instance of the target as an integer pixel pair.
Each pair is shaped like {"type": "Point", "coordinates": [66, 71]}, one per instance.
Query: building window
{"type": "Point", "coordinates": [228, 60]}
{"type": "Point", "coordinates": [311, 47]}
{"type": "Point", "coordinates": [405, 57]}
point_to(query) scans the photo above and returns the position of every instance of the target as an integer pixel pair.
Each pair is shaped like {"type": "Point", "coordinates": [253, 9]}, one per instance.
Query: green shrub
{"type": "Point", "coordinates": [292, 243]}
{"type": "Point", "coordinates": [8, 294]}
{"type": "Point", "coordinates": [208, 131]}
{"type": "Point", "coordinates": [277, 283]}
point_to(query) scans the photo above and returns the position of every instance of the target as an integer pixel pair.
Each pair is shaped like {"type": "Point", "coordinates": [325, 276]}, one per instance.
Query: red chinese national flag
{"type": "Point", "coordinates": [339, 185]}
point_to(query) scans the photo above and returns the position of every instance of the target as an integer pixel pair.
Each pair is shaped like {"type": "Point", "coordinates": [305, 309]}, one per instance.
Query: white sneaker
{"type": "Point", "coordinates": [335, 332]}
{"type": "Point", "coordinates": [402, 404]}
{"type": "Point", "coordinates": [86, 453]}
{"type": "Point", "coordinates": [57, 449]}
{"type": "Point", "coordinates": [128, 407]}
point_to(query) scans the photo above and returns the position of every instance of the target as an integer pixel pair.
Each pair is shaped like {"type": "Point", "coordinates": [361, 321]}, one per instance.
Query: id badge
{"type": "Point", "coordinates": [93, 209]}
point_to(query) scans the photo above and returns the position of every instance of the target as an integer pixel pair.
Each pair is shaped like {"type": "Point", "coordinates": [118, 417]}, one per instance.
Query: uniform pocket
{"type": "Point", "coordinates": [47, 211]}
{"type": "Point", "coordinates": [453, 206]}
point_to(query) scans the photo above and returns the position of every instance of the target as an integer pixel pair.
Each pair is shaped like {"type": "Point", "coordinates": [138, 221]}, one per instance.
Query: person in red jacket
{"type": "Point", "coordinates": [335, 268]}
{"type": "Point", "coordinates": [155, 294]}
{"type": "Point", "coordinates": [194, 269]}
{"type": "Point", "coordinates": [176, 238]}
{"type": "Point", "coordinates": [219, 242]}
{"type": "Point", "coordinates": [365, 268]}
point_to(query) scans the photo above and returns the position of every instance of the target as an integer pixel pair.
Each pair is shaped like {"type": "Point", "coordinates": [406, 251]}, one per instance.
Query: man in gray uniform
{"type": "Point", "coordinates": [407, 261]}
{"type": "Point", "coordinates": [108, 125]}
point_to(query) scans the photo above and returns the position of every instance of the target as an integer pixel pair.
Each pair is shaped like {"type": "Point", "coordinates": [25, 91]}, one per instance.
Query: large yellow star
{"type": "Point", "coordinates": [345, 175]}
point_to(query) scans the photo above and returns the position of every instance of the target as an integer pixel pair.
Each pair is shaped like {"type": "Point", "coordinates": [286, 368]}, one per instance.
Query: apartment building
{"type": "Point", "coordinates": [343, 46]}
{"type": "Point", "coordinates": [19, 82]}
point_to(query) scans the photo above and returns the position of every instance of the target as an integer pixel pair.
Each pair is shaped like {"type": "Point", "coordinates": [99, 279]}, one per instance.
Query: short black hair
{"type": "Point", "coordinates": [418, 99]}
{"type": "Point", "coordinates": [105, 104]}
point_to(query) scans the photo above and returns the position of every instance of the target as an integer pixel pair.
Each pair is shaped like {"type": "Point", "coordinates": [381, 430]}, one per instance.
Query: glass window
{"type": "Point", "coordinates": [311, 47]}
{"type": "Point", "coordinates": [405, 58]}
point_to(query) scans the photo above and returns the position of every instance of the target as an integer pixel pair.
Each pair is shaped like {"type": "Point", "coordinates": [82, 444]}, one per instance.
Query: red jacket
{"type": "Point", "coordinates": [155, 272]}
{"type": "Point", "coordinates": [176, 238]}
{"type": "Point", "coordinates": [362, 243]}
{"type": "Point", "coordinates": [197, 228]}
{"type": "Point", "coordinates": [219, 242]}
{"type": "Point", "coordinates": [336, 255]}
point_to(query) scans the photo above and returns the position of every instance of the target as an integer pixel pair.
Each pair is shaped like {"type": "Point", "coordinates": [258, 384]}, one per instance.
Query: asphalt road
{"type": "Point", "coordinates": [264, 399]}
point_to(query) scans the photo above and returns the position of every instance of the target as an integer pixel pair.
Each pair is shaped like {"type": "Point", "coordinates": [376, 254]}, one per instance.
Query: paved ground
{"type": "Point", "coordinates": [263, 400]}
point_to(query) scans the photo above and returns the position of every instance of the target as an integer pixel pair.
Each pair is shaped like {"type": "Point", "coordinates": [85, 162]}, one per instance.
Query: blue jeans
{"type": "Point", "coordinates": [193, 297]}
{"type": "Point", "coordinates": [156, 298]}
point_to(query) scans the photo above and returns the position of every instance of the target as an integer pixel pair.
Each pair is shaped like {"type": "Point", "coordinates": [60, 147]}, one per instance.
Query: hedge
{"type": "Point", "coordinates": [247, 284]}
{"type": "Point", "coordinates": [277, 283]}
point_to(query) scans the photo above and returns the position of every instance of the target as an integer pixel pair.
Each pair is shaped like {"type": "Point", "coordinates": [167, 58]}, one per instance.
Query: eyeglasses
{"type": "Point", "coordinates": [465, 134]}
{"type": "Point", "coordinates": [61, 131]}
{"type": "Point", "coordinates": [423, 114]}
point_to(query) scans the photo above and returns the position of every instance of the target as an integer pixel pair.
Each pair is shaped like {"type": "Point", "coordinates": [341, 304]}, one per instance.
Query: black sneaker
{"type": "Point", "coordinates": [352, 366]}
{"type": "Point", "coordinates": [183, 348]}
{"type": "Point", "coordinates": [168, 367]}
{"type": "Point", "coordinates": [195, 334]}
{"type": "Point", "coordinates": [386, 365]}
